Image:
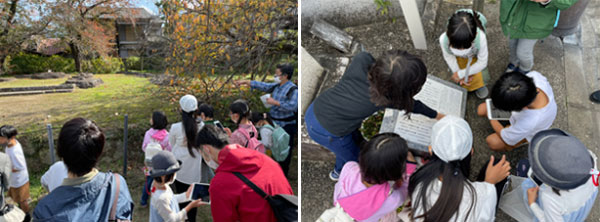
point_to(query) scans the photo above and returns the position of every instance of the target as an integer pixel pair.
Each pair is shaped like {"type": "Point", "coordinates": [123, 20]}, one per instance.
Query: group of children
{"type": "Point", "coordinates": [175, 146]}
{"type": "Point", "coordinates": [178, 144]}
{"type": "Point", "coordinates": [387, 177]}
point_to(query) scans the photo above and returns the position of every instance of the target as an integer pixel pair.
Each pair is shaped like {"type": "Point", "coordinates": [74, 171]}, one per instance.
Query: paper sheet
{"type": "Point", "coordinates": [442, 96]}
{"type": "Point", "coordinates": [264, 98]}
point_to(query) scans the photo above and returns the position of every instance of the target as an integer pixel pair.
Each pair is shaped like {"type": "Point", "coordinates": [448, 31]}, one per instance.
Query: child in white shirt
{"type": "Point", "coordinates": [530, 99]}
{"type": "Point", "coordinates": [19, 178]}
{"type": "Point", "coordinates": [164, 205]}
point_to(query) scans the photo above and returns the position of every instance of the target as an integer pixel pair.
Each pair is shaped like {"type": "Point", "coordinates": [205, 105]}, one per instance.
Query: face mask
{"type": "Point", "coordinates": [212, 164]}
{"type": "Point", "coordinates": [460, 52]}
{"type": "Point", "coordinates": [276, 79]}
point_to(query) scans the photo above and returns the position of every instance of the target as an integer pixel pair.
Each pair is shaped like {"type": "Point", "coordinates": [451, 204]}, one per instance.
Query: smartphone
{"type": "Point", "coordinates": [494, 113]}
{"type": "Point", "coordinates": [200, 191]}
{"type": "Point", "coordinates": [535, 179]}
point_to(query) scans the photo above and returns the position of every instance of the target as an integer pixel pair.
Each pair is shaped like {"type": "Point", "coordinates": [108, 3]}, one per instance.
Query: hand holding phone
{"type": "Point", "coordinates": [494, 113]}
{"type": "Point", "coordinates": [200, 191]}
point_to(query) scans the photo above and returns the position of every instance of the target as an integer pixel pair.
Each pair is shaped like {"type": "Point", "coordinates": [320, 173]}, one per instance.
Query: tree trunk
{"type": "Point", "coordinates": [2, 59]}
{"type": "Point", "coordinates": [75, 54]}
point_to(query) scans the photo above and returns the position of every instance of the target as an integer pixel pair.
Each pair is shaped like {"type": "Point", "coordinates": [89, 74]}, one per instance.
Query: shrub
{"type": "Point", "coordinates": [149, 63]}
{"type": "Point", "coordinates": [25, 63]}
{"type": "Point", "coordinates": [103, 65]}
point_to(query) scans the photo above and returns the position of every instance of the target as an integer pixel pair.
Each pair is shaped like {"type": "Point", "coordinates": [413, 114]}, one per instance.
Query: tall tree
{"type": "Point", "coordinates": [88, 26]}
{"type": "Point", "coordinates": [19, 20]}
{"type": "Point", "coordinates": [225, 38]}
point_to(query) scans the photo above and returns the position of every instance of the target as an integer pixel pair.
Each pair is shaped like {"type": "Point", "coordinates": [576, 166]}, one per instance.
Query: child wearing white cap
{"type": "Point", "coordinates": [441, 190]}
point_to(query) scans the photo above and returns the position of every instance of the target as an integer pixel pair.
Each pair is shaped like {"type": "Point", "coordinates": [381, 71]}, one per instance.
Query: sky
{"type": "Point", "coordinates": [148, 4]}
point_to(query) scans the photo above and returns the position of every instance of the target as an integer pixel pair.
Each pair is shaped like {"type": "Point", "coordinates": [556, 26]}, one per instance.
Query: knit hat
{"type": "Point", "coordinates": [559, 159]}
{"type": "Point", "coordinates": [164, 163]}
{"type": "Point", "coordinates": [188, 103]}
{"type": "Point", "coordinates": [451, 138]}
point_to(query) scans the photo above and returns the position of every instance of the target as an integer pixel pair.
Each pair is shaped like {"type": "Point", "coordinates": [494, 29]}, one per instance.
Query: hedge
{"type": "Point", "coordinates": [25, 63]}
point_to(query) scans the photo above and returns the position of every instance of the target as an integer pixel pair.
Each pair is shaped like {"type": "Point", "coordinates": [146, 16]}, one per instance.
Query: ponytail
{"type": "Point", "coordinates": [241, 108]}
{"type": "Point", "coordinates": [455, 175]}
{"type": "Point", "coordinates": [191, 129]}
{"type": "Point", "coordinates": [257, 117]}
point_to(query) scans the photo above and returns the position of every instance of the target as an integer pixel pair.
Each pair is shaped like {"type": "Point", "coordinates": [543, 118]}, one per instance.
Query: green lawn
{"type": "Point", "coordinates": [32, 82]}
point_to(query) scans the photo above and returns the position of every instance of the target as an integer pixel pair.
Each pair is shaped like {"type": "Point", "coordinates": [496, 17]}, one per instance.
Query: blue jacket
{"type": "Point", "coordinates": [90, 201]}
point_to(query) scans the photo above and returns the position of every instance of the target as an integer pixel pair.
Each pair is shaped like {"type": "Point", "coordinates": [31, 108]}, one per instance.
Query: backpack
{"type": "Point", "coordinates": [112, 217]}
{"type": "Point", "coordinates": [289, 96]}
{"type": "Point", "coordinates": [252, 141]}
{"type": "Point", "coordinates": [151, 149]}
{"type": "Point", "coordinates": [281, 143]}
{"type": "Point", "coordinates": [335, 214]}
{"type": "Point", "coordinates": [284, 206]}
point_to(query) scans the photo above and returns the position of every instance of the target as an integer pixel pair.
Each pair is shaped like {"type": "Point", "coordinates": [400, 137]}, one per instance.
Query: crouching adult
{"type": "Point", "coordinates": [231, 199]}
{"type": "Point", "coordinates": [86, 194]}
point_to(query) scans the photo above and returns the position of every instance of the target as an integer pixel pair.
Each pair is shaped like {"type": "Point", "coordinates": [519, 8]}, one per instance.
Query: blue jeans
{"type": "Point", "coordinates": [344, 147]}
{"type": "Point", "coordinates": [146, 190]}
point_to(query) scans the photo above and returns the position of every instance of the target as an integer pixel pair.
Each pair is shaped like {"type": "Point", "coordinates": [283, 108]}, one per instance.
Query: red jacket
{"type": "Point", "coordinates": [231, 199]}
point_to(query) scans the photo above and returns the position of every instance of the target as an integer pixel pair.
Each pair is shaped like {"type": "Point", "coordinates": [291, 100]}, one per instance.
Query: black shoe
{"type": "Point", "coordinates": [595, 97]}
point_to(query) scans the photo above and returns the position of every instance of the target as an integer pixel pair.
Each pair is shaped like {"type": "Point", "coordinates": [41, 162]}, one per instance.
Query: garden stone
{"type": "Point", "coordinates": [84, 81]}
{"type": "Point", "coordinates": [48, 75]}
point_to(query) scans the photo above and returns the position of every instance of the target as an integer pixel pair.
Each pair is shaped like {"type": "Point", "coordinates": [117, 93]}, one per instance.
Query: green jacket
{"type": "Point", "coordinates": [525, 19]}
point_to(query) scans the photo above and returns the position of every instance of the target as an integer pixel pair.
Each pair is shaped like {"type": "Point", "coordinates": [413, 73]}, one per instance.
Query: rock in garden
{"type": "Point", "coordinates": [48, 75]}
{"type": "Point", "coordinates": [84, 81]}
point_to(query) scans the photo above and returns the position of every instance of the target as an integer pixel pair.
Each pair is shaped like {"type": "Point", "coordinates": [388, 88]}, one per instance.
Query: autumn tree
{"type": "Point", "coordinates": [19, 20]}
{"type": "Point", "coordinates": [215, 40]}
{"type": "Point", "coordinates": [88, 26]}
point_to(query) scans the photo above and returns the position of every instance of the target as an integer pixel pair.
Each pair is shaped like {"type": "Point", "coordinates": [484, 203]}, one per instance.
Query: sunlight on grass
{"type": "Point", "coordinates": [32, 82]}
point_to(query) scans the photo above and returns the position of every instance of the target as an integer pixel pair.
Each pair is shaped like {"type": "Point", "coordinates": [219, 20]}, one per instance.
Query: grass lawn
{"type": "Point", "coordinates": [33, 82]}
{"type": "Point", "coordinates": [106, 104]}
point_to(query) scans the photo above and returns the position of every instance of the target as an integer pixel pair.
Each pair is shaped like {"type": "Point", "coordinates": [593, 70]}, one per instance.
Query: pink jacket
{"type": "Point", "coordinates": [162, 136]}
{"type": "Point", "coordinates": [367, 204]}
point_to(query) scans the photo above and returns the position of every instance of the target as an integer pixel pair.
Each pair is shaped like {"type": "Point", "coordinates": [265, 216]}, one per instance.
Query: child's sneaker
{"type": "Point", "coordinates": [333, 175]}
{"type": "Point", "coordinates": [482, 92]}
{"type": "Point", "coordinates": [511, 68]}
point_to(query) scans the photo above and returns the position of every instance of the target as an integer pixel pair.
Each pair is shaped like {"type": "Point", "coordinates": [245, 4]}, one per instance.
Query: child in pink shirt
{"type": "Point", "coordinates": [376, 187]}
{"type": "Point", "coordinates": [158, 134]}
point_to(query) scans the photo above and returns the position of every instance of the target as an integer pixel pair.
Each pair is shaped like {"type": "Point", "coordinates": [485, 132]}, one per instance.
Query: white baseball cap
{"type": "Point", "coordinates": [451, 138]}
{"type": "Point", "coordinates": [188, 103]}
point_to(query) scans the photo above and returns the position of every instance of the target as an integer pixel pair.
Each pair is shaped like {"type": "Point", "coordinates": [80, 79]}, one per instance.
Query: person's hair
{"type": "Point", "coordinates": [383, 158]}
{"type": "Point", "coordinates": [395, 78]}
{"type": "Point", "coordinates": [513, 91]}
{"type": "Point", "coordinates": [207, 109]}
{"type": "Point", "coordinates": [159, 120]}
{"type": "Point", "coordinates": [286, 69]}
{"type": "Point", "coordinates": [462, 29]}
{"type": "Point", "coordinates": [213, 136]}
{"type": "Point", "coordinates": [241, 108]}
{"type": "Point", "coordinates": [455, 179]}
{"type": "Point", "coordinates": [8, 131]}
{"type": "Point", "coordinates": [257, 117]}
{"type": "Point", "coordinates": [191, 128]}
{"type": "Point", "coordinates": [168, 178]}
{"type": "Point", "coordinates": [80, 144]}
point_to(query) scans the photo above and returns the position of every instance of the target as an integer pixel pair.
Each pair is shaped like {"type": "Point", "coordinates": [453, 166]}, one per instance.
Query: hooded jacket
{"type": "Point", "coordinates": [89, 201]}
{"type": "Point", "coordinates": [231, 199]}
{"type": "Point", "coordinates": [161, 136]}
{"type": "Point", "coordinates": [525, 19]}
